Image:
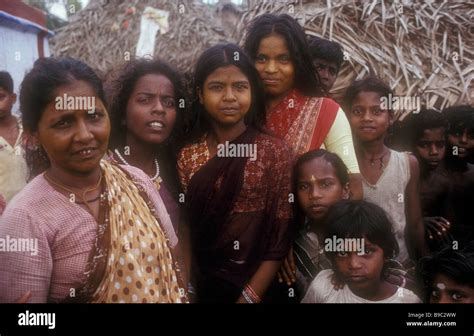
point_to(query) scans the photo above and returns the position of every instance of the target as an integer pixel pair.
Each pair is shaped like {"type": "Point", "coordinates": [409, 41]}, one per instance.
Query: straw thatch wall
{"type": "Point", "coordinates": [420, 47]}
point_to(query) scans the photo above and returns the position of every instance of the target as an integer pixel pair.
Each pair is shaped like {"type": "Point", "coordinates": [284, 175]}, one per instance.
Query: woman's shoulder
{"type": "Point", "coordinates": [135, 173]}
{"type": "Point", "coordinates": [193, 145]}
{"type": "Point", "coordinates": [265, 136]}
{"type": "Point", "coordinates": [327, 104]}
{"type": "Point", "coordinates": [153, 198]}
{"type": "Point", "coordinates": [271, 144]}
{"type": "Point", "coordinates": [329, 101]}
{"type": "Point", "coordinates": [193, 151]}
{"type": "Point", "coordinates": [188, 148]}
{"type": "Point", "coordinates": [192, 155]}
{"type": "Point", "coordinates": [33, 203]}
{"type": "Point", "coordinates": [32, 194]}
{"type": "Point", "coordinates": [140, 178]}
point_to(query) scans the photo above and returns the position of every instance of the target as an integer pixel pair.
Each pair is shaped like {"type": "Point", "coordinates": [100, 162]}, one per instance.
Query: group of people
{"type": "Point", "coordinates": [135, 200]}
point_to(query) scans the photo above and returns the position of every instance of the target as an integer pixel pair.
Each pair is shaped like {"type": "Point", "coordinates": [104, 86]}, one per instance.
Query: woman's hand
{"type": "Point", "coordinates": [287, 272]}
{"type": "Point", "coordinates": [437, 228]}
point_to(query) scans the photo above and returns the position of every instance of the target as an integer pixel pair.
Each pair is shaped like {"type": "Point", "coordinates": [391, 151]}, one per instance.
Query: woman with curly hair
{"type": "Point", "coordinates": [147, 106]}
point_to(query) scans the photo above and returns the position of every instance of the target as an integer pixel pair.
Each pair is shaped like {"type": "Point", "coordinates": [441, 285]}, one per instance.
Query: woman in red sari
{"type": "Point", "coordinates": [296, 112]}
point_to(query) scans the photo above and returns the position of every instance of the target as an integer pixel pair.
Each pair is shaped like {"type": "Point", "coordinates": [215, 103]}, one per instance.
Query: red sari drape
{"type": "Point", "coordinates": [303, 122]}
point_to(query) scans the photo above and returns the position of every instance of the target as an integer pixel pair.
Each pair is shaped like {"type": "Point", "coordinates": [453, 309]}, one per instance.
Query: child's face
{"type": "Point", "coordinates": [7, 100]}
{"type": "Point", "coordinates": [368, 121]}
{"type": "Point", "coordinates": [226, 96]}
{"type": "Point", "coordinates": [447, 290]}
{"type": "Point", "coordinates": [361, 272]}
{"type": "Point", "coordinates": [463, 139]}
{"type": "Point", "coordinates": [327, 72]}
{"type": "Point", "coordinates": [431, 146]}
{"type": "Point", "coordinates": [318, 188]}
{"type": "Point", "coordinates": [274, 65]}
{"type": "Point", "coordinates": [151, 109]}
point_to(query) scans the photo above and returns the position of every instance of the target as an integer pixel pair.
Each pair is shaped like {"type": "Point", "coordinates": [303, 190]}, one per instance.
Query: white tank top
{"type": "Point", "coordinates": [389, 194]}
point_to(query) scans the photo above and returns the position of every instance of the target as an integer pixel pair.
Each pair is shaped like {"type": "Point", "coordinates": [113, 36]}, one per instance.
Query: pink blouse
{"type": "Point", "coordinates": [45, 240]}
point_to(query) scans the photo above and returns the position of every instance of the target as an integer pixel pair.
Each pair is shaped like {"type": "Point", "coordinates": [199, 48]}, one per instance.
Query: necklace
{"type": "Point", "coordinates": [83, 197]}
{"type": "Point", "coordinates": [90, 201]}
{"type": "Point", "coordinates": [373, 160]}
{"type": "Point", "coordinates": [157, 174]}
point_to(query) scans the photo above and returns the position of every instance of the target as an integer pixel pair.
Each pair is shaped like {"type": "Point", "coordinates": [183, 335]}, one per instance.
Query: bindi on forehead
{"type": "Point", "coordinates": [440, 285]}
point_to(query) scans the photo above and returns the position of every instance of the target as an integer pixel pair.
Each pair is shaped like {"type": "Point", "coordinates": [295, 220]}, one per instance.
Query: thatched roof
{"type": "Point", "coordinates": [417, 47]}
{"type": "Point", "coordinates": [101, 34]}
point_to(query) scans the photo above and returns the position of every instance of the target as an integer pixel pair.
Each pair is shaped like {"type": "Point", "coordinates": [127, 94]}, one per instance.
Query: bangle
{"type": "Point", "coordinates": [248, 290]}
{"type": "Point", "coordinates": [246, 297]}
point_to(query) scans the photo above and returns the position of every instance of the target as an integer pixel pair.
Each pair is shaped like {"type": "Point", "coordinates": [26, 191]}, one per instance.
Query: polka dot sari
{"type": "Point", "coordinates": [141, 267]}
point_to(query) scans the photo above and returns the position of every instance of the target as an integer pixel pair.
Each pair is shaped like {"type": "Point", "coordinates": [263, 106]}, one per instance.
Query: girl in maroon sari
{"type": "Point", "coordinates": [236, 180]}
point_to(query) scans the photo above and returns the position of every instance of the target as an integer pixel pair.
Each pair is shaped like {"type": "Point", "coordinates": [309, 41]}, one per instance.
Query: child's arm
{"type": "Point", "coordinates": [415, 231]}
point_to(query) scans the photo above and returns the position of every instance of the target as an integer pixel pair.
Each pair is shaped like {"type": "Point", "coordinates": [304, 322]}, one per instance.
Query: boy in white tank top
{"type": "Point", "coordinates": [390, 179]}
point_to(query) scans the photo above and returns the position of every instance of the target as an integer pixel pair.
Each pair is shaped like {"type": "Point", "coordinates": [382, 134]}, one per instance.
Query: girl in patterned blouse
{"type": "Point", "coordinates": [236, 179]}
